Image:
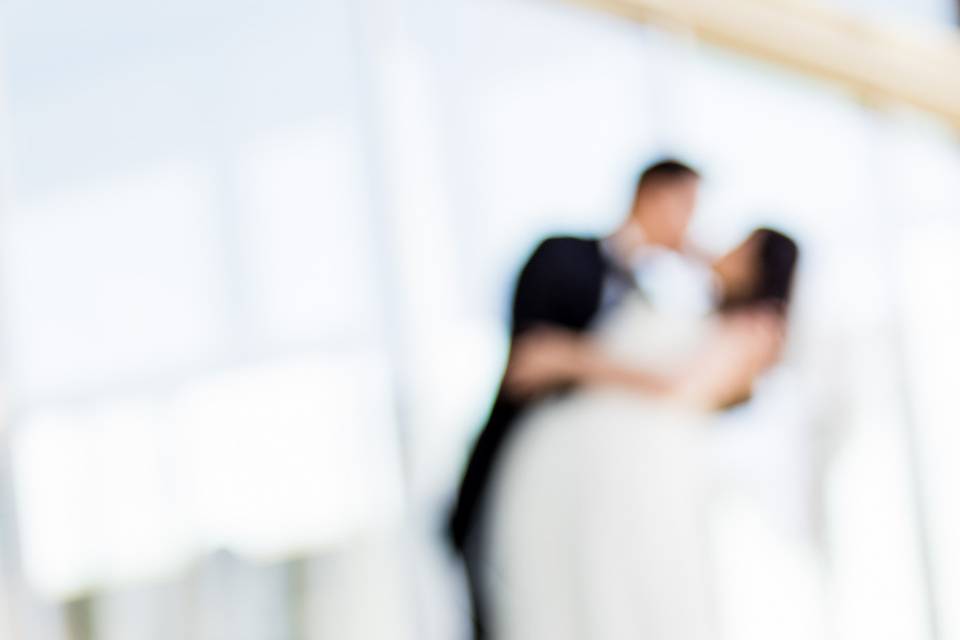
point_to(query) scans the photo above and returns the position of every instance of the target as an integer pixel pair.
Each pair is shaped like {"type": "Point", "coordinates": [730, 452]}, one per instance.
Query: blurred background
{"type": "Point", "coordinates": [255, 259]}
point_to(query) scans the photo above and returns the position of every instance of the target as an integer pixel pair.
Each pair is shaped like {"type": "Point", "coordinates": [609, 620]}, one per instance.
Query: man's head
{"type": "Point", "coordinates": [664, 202]}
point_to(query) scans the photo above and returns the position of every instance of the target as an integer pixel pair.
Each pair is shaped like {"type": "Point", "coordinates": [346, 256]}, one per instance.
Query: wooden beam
{"type": "Point", "coordinates": [878, 61]}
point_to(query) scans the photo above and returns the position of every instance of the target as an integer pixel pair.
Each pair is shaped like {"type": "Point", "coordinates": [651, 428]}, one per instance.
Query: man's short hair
{"type": "Point", "coordinates": [664, 172]}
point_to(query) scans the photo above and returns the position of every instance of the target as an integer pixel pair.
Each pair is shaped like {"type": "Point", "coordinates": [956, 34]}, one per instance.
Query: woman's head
{"type": "Point", "coordinates": [759, 271]}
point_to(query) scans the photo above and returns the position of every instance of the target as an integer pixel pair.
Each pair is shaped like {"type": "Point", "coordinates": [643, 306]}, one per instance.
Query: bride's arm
{"type": "Point", "coordinates": [743, 347]}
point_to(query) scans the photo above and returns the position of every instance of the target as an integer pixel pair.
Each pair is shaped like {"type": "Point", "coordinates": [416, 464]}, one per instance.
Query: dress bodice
{"type": "Point", "coordinates": [638, 335]}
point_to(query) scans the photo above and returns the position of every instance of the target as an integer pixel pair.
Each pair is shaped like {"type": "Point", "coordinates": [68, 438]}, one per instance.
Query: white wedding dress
{"type": "Point", "coordinates": [596, 520]}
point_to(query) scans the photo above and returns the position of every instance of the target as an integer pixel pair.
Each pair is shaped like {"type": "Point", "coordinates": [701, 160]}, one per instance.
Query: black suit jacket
{"type": "Point", "coordinates": [561, 285]}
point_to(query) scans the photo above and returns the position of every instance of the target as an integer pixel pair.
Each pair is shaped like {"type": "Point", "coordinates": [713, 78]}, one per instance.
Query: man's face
{"type": "Point", "coordinates": [669, 210]}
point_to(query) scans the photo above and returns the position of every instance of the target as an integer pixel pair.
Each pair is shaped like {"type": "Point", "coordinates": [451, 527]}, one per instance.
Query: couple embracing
{"type": "Point", "coordinates": [581, 514]}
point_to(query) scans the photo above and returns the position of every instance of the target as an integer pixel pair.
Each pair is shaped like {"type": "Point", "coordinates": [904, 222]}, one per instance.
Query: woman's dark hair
{"type": "Point", "coordinates": [777, 256]}
{"type": "Point", "coordinates": [777, 262]}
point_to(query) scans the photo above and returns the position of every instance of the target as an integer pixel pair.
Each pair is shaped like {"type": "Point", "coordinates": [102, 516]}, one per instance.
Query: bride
{"type": "Point", "coordinates": [595, 524]}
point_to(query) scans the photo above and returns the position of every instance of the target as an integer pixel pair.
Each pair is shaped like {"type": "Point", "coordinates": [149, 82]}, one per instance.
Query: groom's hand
{"type": "Point", "coordinates": [544, 359]}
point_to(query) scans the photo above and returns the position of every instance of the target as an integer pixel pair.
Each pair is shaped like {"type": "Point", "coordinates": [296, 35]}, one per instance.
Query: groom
{"type": "Point", "coordinates": [561, 289]}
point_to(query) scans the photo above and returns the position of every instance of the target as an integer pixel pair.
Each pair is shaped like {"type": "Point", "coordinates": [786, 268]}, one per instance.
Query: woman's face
{"type": "Point", "coordinates": [737, 269]}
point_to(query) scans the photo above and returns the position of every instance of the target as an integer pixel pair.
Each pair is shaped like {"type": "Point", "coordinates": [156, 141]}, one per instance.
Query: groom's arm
{"type": "Point", "coordinates": [720, 374]}
{"type": "Point", "coordinates": [548, 358]}
{"type": "Point", "coordinates": [544, 354]}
